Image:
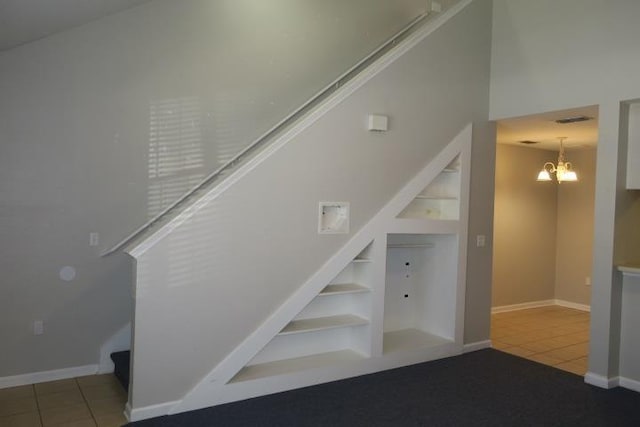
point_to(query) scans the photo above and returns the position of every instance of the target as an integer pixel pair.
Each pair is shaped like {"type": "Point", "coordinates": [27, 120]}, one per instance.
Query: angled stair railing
{"type": "Point", "coordinates": [262, 142]}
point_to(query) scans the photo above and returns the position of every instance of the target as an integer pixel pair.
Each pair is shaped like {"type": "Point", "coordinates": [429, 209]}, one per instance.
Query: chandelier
{"type": "Point", "coordinates": [563, 171]}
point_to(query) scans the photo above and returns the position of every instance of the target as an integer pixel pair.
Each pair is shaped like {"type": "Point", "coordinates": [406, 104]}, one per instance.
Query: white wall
{"type": "Point", "coordinates": [210, 282]}
{"type": "Point", "coordinates": [81, 117]}
{"type": "Point", "coordinates": [549, 55]}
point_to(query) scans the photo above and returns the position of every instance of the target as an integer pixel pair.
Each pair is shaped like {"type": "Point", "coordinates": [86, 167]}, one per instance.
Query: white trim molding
{"type": "Point", "coordinates": [574, 305]}
{"type": "Point", "coordinates": [601, 381]}
{"type": "Point", "coordinates": [151, 411]}
{"type": "Point", "coordinates": [542, 303]}
{"type": "Point", "coordinates": [522, 306]}
{"type": "Point", "coordinates": [629, 384]}
{"type": "Point", "coordinates": [44, 376]}
{"type": "Point", "coordinates": [475, 346]}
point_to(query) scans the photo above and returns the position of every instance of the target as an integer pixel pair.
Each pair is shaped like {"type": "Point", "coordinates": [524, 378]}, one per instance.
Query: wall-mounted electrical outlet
{"type": "Point", "coordinates": [587, 281]}
{"type": "Point", "coordinates": [481, 240]}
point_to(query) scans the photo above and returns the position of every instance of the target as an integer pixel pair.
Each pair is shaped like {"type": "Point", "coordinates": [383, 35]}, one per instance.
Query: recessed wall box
{"type": "Point", "coordinates": [377, 123]}
{"type": "Point", "coordinates": [333, 218]}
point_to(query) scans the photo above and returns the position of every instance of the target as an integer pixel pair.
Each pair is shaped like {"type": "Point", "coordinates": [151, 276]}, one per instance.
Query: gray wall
{"type": "Point", "coordinates": [524, 252]}
{"type": "Point", "coordinates": [102, 125]}
{"type": "Point", "coordinates": [543, 231]}
{"type": "Point", "coordinates": [574, 244]}
{"type": "Point", "coordinates": [549, 55]}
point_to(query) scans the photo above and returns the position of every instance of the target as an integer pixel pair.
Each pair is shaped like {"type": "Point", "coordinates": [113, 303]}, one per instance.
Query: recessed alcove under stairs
{"type": "Point", "coordinates": [420, 291]}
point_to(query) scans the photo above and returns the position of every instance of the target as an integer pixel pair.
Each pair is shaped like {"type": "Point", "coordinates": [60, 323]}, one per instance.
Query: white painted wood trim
{"type": "Point", "coordinates": [323, 108]}
{"type": "Point", "coordinates": [522, 306]}
{"type": "Point", "coordinates": [475, 346]}
{"type": "Point", "coordinates": [44, 376]}
{"type": "Point", "coordinates": [630, 384]}
{"type": "Point", "coordinates": [601, 381]}
{"type": "Point", "coordinates": [574, 305]}
{"type": "Point", "coordinates": [147, 411]}
{"type": "Point", "coordinates": [119, 341]}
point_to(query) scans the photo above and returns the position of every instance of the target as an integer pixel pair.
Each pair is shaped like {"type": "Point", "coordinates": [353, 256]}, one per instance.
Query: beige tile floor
{"type": "Point", "coordinates": [552, 335]}
{"type": "Point", "coordinates": [92, 401]}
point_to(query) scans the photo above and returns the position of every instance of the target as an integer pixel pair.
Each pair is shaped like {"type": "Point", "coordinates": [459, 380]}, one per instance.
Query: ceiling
{"type": "Point", "coordinates": [23, 21]}
{"type": "Point", "coordinates": [543, 129]}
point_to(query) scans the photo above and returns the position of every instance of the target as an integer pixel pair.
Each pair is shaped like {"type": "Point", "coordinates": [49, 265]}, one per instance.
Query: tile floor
{"type": "Point", "coordinates": [552, 335]}
{"type": "Point", "coordinates": [92, 401]}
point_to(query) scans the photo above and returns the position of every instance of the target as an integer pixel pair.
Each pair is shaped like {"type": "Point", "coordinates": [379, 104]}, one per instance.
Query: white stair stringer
{"type": "Point", "coordinates": [215, 388]}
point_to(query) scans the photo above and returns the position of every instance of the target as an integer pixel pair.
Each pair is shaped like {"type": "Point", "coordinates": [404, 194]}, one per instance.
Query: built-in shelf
{"type": "Point", "coordinates": [410, 245]}
{"type": "Point", "coordinates": [429, 197]}
{"type": "Point", "coordinates": [322, 323]}
{"type": "Point", "coordinates": [298, 364]}
{"type": "Point", "coordinates": [356, 260]}
{"type": "Point", "coordinates": [344, 288]}
{"type": "Point", "coordinates": [439, 200]}
{"type": "Point", "coordinates": [407, 339]}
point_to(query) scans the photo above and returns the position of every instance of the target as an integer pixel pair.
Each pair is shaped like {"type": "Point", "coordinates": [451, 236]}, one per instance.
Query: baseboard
{"type": "Point", "coordinates": [475, 346]}
{"type": "Point", "coordinates": [601, 381]}
{"type": "Point", "coordinates": [44, 376]}
{"type": "Point", "coordinates": [574, 305]}
{"type": "Point", "coordinates": [630, 384]}
{"type": "Point", "coordinates": [148, 411]}
{"type": "Point", "coordinates": [522, 306]}
{"type": "Point", "coordinates": [536, 304]}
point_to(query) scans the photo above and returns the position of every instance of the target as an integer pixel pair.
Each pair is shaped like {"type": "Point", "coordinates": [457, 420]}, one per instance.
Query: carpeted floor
{"type": "Point", "coordinates": [483, 388]}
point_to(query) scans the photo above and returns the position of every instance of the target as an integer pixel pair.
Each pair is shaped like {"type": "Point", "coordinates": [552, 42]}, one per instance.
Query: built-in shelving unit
{"type": "Point", "coordinates": [333, 327]}
{"type": "Point", "coordinates": [391, 296]}
{"type": "Point", "coordinates": [398, 301]}
{"type": "Point", "coordinates": [420, 291]}
{"type": "Point", "coordinates": [440, 199]}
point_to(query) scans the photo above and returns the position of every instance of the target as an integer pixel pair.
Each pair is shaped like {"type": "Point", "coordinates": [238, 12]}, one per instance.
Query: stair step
{"type": "Point", "coordinates": [321, 323]}
{"type": "Point", "coordinates": [121, 360]}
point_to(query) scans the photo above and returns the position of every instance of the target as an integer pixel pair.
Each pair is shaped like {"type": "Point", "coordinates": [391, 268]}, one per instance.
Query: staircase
{"type": "Point", "coordinates": [122, 360]}
{"type": "Point", "coordinates": [238, 282]}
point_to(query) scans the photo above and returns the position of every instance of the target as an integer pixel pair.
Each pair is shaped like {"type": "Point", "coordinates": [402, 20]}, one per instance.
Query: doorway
{"type": "Point", "coordinates": [543, 237]}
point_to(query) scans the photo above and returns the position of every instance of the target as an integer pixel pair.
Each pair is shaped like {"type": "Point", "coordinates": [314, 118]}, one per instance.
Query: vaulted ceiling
{"type": "Point", "coordinates": [23, 21]}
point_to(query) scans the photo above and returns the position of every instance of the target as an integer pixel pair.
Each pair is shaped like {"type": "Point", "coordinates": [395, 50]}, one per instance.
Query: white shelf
{"type": "Point", "coordinates": [344, 288]}
{"type": "Point", "coordinates": [427, 197]}
{"type": "Point", "coordinates": [408, 339]}
{"type": "Point", "coordinates": [424, 226]}
{"type": "Point", "coordinates": [410, 245]}
{"type": "Point", "coordinates": [298, 364]}
{"type": "Point", "coordinates": [357, 260]}
{"type": "Point", "coordinates": [322, 323]}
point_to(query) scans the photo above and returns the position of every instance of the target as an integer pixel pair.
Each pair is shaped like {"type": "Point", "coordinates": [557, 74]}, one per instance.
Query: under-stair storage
{"type": "Point", "coordinates": [393, 295]}
{"type": "Point", "coordinates": [334, 327]}
{"type": "Point", "coordinates": [440, 199]}
{"type": "Point", "coordinates": [420, 291]}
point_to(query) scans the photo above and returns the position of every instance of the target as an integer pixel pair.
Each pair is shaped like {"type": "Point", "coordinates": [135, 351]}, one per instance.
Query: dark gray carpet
{"type": "Point", "coordinates": [483, 388]}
